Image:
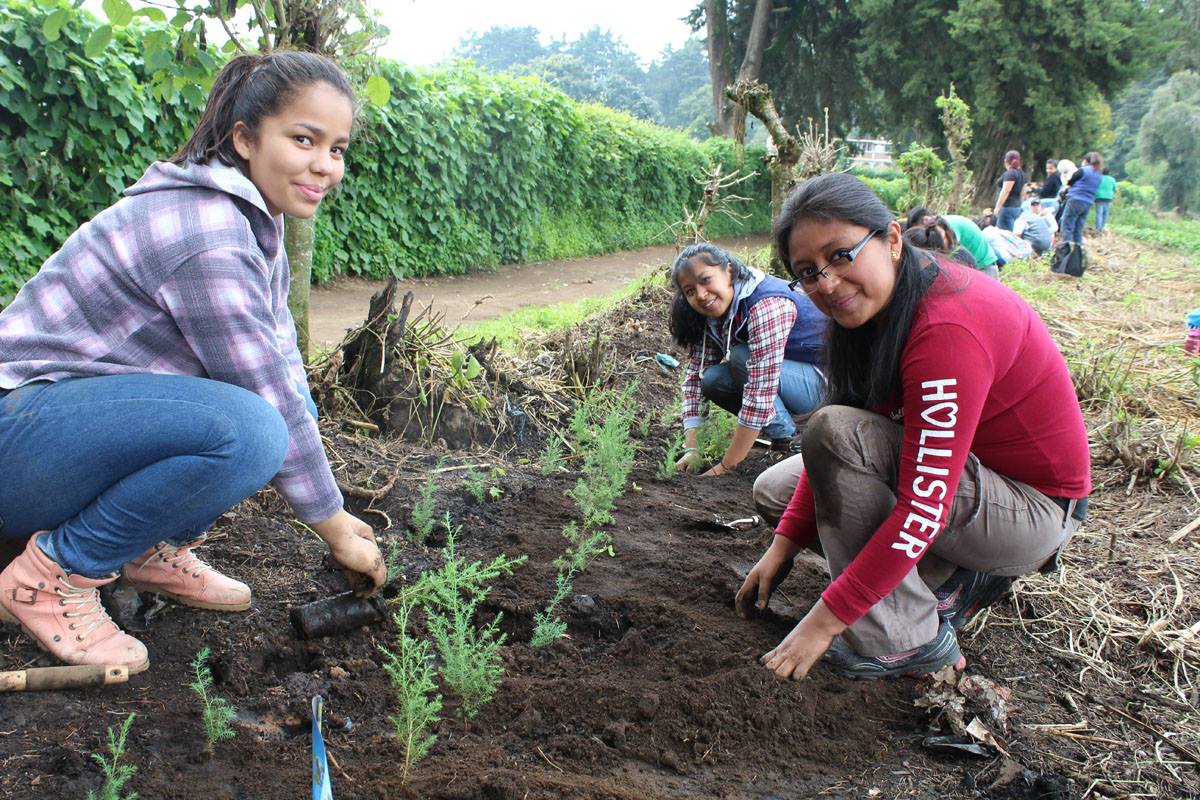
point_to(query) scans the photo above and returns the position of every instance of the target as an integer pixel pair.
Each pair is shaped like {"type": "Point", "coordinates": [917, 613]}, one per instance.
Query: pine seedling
{"type": "Point", "coordinates": [116, 774]}
{"type": "Point", "coordinates": [475, 482]}
{"type": "Point", "coordinates": [547, 627]}
{"type": "Point", "coordinates": [715, 435]}
{"type": "Point", "coordinates": [606, 467]}
{"type": "Point", "coordinates": [470, 655]}
{"type": "Point", "coordinates": [217, 712]}
{"type": "Point", "coordinates": [666, 467]}
{"type": "Point", "coordinates": [412, 673]}
{"type": "Point", "coordinates": [582, 548]}
{"type": "Point", "coordinates": [424, 511]}
{"type": "Point", "coordinates": [552, 456]}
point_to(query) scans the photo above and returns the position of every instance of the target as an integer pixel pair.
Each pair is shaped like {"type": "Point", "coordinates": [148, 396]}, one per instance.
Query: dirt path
{"type": "Point", "coordinates": [511, 287]}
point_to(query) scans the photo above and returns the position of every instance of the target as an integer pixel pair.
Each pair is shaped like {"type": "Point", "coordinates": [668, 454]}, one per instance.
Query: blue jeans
{"type": "Point", "coordinates": [1074, 214]}
{"type": "Point", "coordinates": [1102, 209]}
{"type": "Point", "coordinates": [1008, 216]}
{"type": "Point", "coordinates": [113, 465]}
{"type": "Point", "coordinates": [801, 390]}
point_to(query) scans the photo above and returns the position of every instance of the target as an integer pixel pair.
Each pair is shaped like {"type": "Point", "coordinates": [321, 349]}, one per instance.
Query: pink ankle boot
{"type": "Point", "coordinates": [63, 614]}
{"type": "Point", "coordinates": [178, 573]}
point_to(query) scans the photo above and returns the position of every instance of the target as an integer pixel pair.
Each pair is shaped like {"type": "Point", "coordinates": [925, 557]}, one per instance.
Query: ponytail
{"type": "Point", "coordinates": [248, 89]}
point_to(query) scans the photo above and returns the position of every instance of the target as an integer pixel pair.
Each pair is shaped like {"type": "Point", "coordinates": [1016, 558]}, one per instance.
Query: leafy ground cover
{"type": "Point", "coordinates": [655, 691]}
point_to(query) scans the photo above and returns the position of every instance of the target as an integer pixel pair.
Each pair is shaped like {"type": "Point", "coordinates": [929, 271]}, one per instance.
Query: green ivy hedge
{"type": "Point", "coordinates": [460, 170]}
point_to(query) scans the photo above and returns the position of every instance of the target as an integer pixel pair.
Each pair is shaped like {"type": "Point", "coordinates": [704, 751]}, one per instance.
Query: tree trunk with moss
{"type": "Point", "coordinates": [756, 99]}
{"type": "Point", "coordinates": [298, 241]}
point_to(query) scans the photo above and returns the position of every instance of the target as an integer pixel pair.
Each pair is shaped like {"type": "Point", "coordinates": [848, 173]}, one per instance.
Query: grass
{"type": "Point", "coordinates": [514, 329]}
{"type": "Point", "coordinates": [1172, 232]}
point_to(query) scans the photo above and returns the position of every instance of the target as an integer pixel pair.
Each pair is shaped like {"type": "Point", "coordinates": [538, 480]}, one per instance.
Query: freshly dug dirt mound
{"type": "Point", "coordinates": [656, 692]}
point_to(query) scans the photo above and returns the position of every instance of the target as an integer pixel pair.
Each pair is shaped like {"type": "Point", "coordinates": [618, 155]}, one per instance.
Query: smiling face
{"type": "Point", "coordinates": [707, 289]}
{"type": "Point", "coordinates": [866, 287]}
{"type": "Point", "coordinates": [295, 157]}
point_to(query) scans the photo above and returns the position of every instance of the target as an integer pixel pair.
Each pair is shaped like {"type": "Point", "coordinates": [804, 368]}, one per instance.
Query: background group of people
{"type": "Point", "coordinates": [1027, 219]}
{"type": "Point", "coordinates": [1066, 195]}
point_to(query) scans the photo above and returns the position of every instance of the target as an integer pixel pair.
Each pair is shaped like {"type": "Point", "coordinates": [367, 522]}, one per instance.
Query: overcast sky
{"type": "Point", "coordinates": [426, 31]}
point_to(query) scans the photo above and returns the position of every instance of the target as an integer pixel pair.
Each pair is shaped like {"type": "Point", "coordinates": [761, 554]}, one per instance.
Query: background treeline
{"type": "Point", "coordinates": [1051, 80]}
{"type": "Point", "coordinates": [461, 169]}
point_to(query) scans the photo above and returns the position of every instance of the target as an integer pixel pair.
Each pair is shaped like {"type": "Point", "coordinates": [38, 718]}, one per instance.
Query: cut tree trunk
{"type": "Point", "coordinates": [377, 366]}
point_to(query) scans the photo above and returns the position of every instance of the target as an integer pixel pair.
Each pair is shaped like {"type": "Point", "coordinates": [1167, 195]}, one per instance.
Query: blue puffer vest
{"type": "Point", "coordinates": [806, 342]}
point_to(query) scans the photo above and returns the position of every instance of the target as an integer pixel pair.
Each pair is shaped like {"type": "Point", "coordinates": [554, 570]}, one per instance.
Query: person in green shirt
{"type": "Point", "coordinates": [1105, 193]}
{"type": "Point", "coordinates": [967, 232]}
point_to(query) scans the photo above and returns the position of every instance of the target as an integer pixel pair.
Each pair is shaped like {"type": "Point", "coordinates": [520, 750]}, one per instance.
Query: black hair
{"type": "Point", "coordinates": [687, 324]}
{"type": "Point", "coordinates": [936, 235]}
{"type": "Point", "coordinates": [917, 216]}
{"type": "Point", "coordinates": [864, 362]}
{"type": "Point", "coordinates": [250, 88]}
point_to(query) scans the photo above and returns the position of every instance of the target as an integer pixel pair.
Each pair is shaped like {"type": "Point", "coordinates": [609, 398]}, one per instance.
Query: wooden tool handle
{"type": "Point", "coordinates": [39, 679]}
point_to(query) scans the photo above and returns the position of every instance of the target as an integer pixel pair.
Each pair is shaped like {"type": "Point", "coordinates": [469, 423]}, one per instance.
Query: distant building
{"type": "Point", "coordinates": [870, 153]}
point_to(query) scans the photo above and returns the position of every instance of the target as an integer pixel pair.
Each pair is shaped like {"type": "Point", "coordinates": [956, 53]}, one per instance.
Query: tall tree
{"type": "Point", "coordinates": [729, 119]}
{"type": "Point", "coordinates": [500, 48]}
{"type": "Point", "coordinates": [677, 74]}
{"type": "Point", "coordinates": [1032, 86]}
{"type": "Point", "coordinates": [1170, 139]}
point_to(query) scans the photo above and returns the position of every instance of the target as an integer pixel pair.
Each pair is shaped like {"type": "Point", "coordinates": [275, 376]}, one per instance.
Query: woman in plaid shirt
{"type": "Point", "coordinates": [149, 373]}
{"type": "Point", "coordinates": [754, 345]}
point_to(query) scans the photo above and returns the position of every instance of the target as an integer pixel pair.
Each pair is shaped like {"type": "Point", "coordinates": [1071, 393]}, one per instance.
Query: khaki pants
{"type": "Point", "coordinates": [996, 525]}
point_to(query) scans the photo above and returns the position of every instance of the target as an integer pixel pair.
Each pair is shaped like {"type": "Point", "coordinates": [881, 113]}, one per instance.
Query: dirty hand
{"type": "Point", "coordinates": [352, 546]}
{"type": "Point", "coordinates": [689, 461]}
{"type": "Point", "coordinates": [808, 641]}
{"type": "Point", "coordinates": [765, 576]}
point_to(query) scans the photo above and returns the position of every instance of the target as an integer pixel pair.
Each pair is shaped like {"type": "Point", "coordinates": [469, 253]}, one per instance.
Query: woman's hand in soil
{"type": "Point", "coordinates": [807, 642]}
{"type": "Point", "coordinates": [765, 576]}
{"type": "Point", "coordinates": [352, 546]}
{"type": "Point", "coordinates": [689, 462]}
{"type": "Point", "coordinates": [739, 448]}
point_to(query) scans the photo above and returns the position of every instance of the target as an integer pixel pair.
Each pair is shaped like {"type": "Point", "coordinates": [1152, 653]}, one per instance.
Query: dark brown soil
{"type": "Point", "coordinates": [656, 693]}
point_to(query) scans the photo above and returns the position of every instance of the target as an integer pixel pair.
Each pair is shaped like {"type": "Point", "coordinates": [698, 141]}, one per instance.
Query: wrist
{"type": "Point", "coordinates": [333, 530]}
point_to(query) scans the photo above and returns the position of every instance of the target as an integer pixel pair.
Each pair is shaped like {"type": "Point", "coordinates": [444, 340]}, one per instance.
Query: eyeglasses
{"type": "Point", "coordinates": [810, 277]}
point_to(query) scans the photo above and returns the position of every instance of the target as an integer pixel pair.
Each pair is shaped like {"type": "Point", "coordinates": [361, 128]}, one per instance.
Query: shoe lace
{"type": "Point", "coordinates": [184, 559]}
{"type": "Point", "coordinates": [88, 610]}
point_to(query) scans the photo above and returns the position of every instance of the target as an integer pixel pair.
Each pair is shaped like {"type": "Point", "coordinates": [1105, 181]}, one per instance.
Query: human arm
{"type": "Point", "coordinates": [692, 406]}
{"type": "Point", "coordinates": [946, 375]}
{"type": "Point", "coordinates": [767, 326]}
{"type": "Point", "coordinates": [739, 446]}
{"type": "Point", "coordinates": [224, 302]}
{"type": "Point", "coordinates": [807, 642]}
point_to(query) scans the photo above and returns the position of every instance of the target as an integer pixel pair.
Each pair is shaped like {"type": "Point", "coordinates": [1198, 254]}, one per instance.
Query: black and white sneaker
{"type": "Point", "coordinates": [925, 660]}
{"type": "Point", "coordinates": [966, 593]}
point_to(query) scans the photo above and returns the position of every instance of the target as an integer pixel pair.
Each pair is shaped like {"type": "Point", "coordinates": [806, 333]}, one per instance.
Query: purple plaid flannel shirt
{"type": "Point", "coordinates": [185, 275]}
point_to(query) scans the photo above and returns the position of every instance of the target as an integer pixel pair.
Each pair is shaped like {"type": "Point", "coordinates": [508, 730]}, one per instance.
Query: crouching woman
{"type": "Point", "coordinates": [951, 457]}
{"type": "Point", "coordinates": [150, 377]}
{"type": "Point", "coordinates": [754, 348]}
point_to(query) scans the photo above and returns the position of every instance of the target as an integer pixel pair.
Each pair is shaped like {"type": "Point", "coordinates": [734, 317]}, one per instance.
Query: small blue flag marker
{"type": "Point", "coordinates": [322, 788]}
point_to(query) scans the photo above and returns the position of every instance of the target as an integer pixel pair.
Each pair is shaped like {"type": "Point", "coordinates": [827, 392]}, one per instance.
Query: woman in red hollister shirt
{"type": "Point", "coordinates": [951, 457]}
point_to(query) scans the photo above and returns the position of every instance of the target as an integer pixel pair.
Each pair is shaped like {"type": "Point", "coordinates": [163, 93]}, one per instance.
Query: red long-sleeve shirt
{"type": "Point", "coordinates": [979, 374]}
